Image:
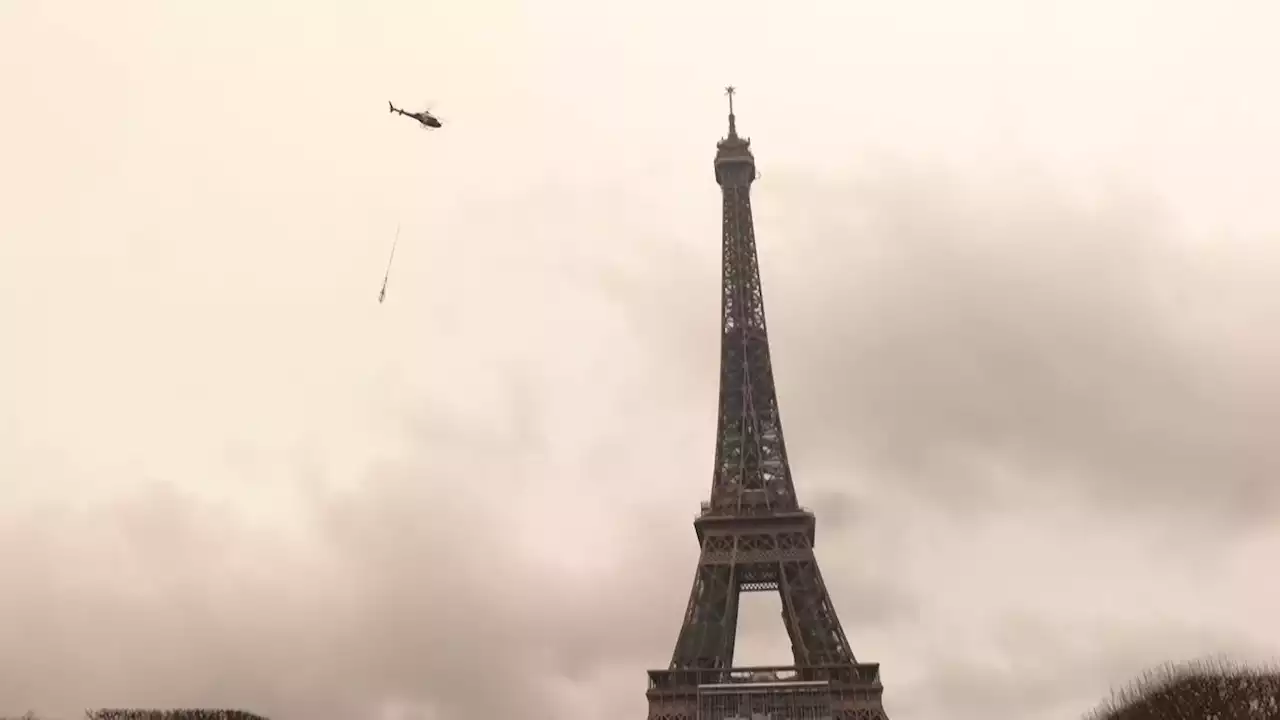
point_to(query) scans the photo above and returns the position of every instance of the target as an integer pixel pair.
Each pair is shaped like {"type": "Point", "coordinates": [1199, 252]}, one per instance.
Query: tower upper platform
{"type": "Point", "coordinates": [735, 165]}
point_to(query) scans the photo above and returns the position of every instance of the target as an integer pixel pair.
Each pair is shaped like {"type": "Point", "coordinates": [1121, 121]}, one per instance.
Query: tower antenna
{"type": "Point", "coordinates": [730, 91]}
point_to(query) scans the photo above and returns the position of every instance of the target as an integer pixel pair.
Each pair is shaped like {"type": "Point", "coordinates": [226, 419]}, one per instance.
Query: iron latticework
{"type": "Point", "coordinates": [754, 534]}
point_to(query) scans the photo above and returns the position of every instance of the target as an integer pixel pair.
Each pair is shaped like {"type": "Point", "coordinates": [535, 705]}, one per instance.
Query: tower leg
{"type": "Point", "coordinates": [711, 618]}
{"type": "Point", "coordinates": [817, 637]}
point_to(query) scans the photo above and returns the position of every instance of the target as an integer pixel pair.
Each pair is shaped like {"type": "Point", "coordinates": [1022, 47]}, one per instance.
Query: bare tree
{"type": "Point", "coordinates": [192, 714]}
{"type": "Point", "coordinates": [1200, 690]}
{"type": "Point", "coordinates": [136, 714]}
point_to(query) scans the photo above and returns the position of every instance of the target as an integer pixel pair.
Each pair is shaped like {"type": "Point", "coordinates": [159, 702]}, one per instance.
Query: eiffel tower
{"type": "Point", "coordinates": [753, 532]}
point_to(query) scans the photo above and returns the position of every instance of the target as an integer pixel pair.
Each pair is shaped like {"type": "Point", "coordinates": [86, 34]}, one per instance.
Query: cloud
{"type": "Point", "coordinates": [961, 335]}
{"type": "Point", "coordinates": [1032, 413]}
{"type": "Point", "coordinates": [1072, 384]}
{"type": "Point", "coordinates": [1026, 677]}
{"type": "Point", "coordinates": [999, 403]}
{"type": "Point", "coordinates": [444, 581]}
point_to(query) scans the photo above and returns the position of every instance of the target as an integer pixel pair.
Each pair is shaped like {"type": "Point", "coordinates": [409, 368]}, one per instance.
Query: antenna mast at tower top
{"type": "Point", "coordinates": [729, 91]}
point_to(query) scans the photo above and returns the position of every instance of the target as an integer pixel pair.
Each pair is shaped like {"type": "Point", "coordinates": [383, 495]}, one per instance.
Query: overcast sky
{"type": "Point", "coordinates": [1021, 271]}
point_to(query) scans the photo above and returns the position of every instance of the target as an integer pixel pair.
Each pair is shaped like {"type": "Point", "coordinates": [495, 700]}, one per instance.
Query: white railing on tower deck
{"type": "Point", "coordinates": [765, 701]}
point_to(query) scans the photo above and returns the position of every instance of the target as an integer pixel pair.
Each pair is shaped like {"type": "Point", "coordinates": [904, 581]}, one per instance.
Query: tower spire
{"type": "Point", "coordinates": [733, 126]}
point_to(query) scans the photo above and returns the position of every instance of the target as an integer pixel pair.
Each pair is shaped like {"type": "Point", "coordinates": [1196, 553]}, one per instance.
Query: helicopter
{"type": "Point", "coordinates": [425, 117]}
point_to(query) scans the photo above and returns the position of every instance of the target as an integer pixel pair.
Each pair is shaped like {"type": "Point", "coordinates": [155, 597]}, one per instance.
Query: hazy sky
{"type": "Point", "coordinates": [1021, 270]}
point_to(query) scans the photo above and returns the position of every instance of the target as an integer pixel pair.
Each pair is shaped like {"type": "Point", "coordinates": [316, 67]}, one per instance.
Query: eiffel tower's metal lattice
{"type": "Point", "coordinates": [754, 534]}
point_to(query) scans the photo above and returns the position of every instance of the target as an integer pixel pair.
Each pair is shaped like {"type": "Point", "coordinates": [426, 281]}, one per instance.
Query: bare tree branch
{"type": "Point", "coordinates": [1217, 689]}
